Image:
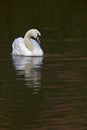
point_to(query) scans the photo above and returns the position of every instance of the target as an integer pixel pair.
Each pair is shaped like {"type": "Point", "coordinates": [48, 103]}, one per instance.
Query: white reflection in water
{"type": "Point", "coordinates": [30, 67]}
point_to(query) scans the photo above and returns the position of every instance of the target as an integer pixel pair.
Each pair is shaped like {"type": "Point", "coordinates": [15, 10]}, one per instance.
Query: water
{"type": "Point", "coordinates": [44, 93]}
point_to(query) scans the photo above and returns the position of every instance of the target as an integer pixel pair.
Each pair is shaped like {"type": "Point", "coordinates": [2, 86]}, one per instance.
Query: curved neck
{"type": "Point", "coordinates": [27, 42]}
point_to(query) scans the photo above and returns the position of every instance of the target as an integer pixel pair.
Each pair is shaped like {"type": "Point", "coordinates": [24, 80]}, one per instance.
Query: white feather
{"type": "Point", "coordinates": [19, 47]}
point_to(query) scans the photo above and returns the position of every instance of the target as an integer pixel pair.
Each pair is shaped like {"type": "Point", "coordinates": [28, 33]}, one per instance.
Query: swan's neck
{"type": "Point", "coordinates": [28, 43]}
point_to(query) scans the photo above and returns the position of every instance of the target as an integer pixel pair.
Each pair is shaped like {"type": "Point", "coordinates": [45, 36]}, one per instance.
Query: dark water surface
{"type": "Point", "coordinates": [50, 92]}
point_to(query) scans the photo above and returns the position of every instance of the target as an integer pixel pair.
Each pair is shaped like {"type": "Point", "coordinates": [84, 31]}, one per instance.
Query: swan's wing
{"type": "Point", "coordinates": [37, 50]}
{"type": "Point", "coordinates": [16, 45]}
{"type": "Point", "coordinates": [19, 48]}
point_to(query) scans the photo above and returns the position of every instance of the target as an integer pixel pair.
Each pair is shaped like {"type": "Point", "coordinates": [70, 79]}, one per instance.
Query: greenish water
{"type": "Point", "coordinates": [44, 93]}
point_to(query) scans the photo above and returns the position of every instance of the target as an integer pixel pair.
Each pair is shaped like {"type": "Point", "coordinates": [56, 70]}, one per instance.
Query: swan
{"type": "Point", "coordinates": [29, 45]}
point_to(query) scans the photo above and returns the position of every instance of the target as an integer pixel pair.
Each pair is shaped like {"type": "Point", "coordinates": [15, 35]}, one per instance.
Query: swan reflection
{"type": "Point", "coordinates": [30, 67]}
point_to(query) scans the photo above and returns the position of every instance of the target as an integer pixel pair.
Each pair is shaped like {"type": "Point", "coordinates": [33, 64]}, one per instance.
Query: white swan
{"type": "Point", "coordinates": [29, 45]}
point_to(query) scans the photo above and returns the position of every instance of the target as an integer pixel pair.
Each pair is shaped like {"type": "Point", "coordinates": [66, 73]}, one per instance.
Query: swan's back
{"type": "Point", "coordinates": [19, 48]}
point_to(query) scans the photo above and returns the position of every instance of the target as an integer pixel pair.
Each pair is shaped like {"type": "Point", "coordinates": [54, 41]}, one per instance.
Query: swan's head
{"type": "Point", "coordinates": [34, 34]}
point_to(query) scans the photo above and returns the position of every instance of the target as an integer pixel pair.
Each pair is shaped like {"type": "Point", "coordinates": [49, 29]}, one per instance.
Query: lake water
{"type": "Point", "coordinates": [50, 92]}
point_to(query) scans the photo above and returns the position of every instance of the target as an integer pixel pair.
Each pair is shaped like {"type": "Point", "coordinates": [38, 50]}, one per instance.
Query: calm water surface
{"type": "Point", "coordinates": [50, 92]}
{"type": "Point", "coordinates": [44, 92]}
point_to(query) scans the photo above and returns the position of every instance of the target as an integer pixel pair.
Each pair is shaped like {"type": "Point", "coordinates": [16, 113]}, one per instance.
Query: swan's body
{"type": "Point", "coordinates": [29, 45]}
